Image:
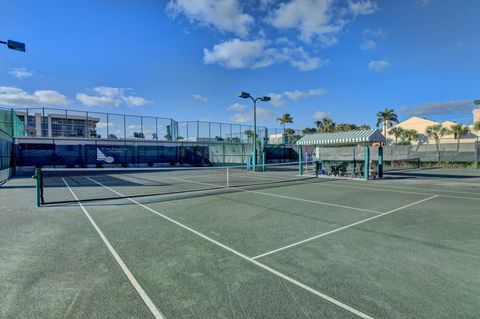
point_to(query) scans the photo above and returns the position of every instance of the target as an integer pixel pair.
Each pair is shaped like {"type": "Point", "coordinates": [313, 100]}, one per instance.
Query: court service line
{"type": "Point", "coordinates": [421, 185]}
{"type": "Point", "coordinates": [394, 190]}
{"type": "Point", "coordinates": [291, 198]}
{"type": "Point", "coordinates": [239, 254]}
{"type": "Point", "coordinates": [341, 228]}
{"type": "Point", "coordinates": [146, 299]}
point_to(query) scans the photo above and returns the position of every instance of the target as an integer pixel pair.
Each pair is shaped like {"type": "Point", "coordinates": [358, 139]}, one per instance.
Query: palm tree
{"type": "Point", "coordinates": [364, 127]}
{"type": "Point", "coordinates": [309, 130]}
{"type": "Point", "coordinates": [387, 117]}
{"type": "Point", "coordinates": [436, 132]}
{"type": "Point", "coordinates": [411, 135]}
{"type": "Point", "coordinates": [459, 131]}
{"type": "Point", "coordinates": [286, 118]}
{"type": "Point", "coordinates": [397, 132]}
{"type": "Point", "coordinates": [325, 125]}
{"type": "Point", "coordinates": [345, 127]}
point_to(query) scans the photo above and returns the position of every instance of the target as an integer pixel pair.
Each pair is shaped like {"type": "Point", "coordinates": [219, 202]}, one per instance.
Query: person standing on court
{"type": "Point", "coordinates": [317, 167]}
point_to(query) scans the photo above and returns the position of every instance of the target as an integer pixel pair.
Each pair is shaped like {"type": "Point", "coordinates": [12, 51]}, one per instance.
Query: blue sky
{"type": "Point", "coordinates": [185, 59]}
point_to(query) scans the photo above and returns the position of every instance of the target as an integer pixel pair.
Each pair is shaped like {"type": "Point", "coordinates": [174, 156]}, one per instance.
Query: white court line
{"type": "Point", "coordinates": [271, 270]}
{"type": "Point", "coordinates": [399, 191]}
{"type": "Point", "coordinates": [291, 198]}
{"type": "Point", "coordinates": [341, 228]}
{"type": "Point", "coordinates": [421, 185]}
{"type": "Point", "coordinates": [146, 299]}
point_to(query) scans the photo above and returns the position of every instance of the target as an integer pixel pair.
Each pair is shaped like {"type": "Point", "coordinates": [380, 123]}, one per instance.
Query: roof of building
{"type": "Point", "coordinates": [350, 137]}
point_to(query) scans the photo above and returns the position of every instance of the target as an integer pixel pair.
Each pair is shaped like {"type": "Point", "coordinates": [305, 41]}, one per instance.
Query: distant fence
{"type": "Point", "coordinates": [52, 122]}
{"type": "Point", "coordinates": [9, 125]}
{"type": "Point", "coordinates": [465, 152]}
{"type": "Point", "coordinates": [64, 152]}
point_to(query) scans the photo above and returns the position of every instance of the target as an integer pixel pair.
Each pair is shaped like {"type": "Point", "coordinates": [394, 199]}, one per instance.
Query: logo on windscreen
{"type": "Point", "coordinates": [102, 158]}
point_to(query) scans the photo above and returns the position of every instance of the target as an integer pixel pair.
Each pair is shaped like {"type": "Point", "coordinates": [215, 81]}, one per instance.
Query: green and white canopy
{"type": "Point", "coordinates": [337, 138]}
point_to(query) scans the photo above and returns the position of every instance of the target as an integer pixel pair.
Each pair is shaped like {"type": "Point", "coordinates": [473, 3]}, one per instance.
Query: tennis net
{"type": "Point", "coordinates": [59, 185]}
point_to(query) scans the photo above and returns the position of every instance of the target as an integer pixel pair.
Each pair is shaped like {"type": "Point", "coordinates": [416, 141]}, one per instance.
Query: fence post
{"type": "Point", "coordinates": [39, 182]}
{"type": "Point", "coordinates": [300, 166]}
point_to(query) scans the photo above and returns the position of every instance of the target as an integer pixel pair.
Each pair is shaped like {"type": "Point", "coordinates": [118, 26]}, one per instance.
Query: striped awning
{"type": "Point", "coordinates": [337, 138]}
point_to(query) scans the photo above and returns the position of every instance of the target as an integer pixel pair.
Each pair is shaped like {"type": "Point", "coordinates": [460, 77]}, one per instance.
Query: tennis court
{"type": "Point", "coordinates": [407, 246]}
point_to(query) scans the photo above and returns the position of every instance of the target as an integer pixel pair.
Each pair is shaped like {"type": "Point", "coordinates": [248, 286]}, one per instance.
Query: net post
{"type": "Point", "coordinates": [39, 182]}
{"type": "Point", "coordinates": [300, 166]}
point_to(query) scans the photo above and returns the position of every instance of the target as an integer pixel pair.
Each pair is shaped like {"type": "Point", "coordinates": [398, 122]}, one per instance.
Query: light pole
{"type": "Point", "coordinates": [14, 45]}
{"type": "Point", "coordinates": [246, 95]}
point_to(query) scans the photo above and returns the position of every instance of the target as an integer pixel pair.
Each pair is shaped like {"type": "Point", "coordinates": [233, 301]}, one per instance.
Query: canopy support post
{"type": "Point", "coordinates": [366, 166]}
{"type": "Point", "coordinates": [300, 166]}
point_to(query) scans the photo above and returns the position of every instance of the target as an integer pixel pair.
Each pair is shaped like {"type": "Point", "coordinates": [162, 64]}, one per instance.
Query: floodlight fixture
{"type": "Point", "coordinates": [14, 45]}
{"type": "Point", "coordinates": [243, 95]}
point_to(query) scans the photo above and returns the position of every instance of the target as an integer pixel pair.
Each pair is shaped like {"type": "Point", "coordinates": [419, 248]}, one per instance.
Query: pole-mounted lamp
{"type": "Point", "coordinates": [246, 95]}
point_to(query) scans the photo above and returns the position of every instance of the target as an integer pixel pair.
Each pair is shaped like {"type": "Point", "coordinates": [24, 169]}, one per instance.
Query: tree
{"type": "Point", "coordinates": [410, 135]}
{"type": "Point", "coordinates": [476, 126]}
{"type": "Point", "coordinates": [386, 117]}
{"type": "Point", "coordinates": [286, 118]}
{"type": "Point", "coordinates": [459, 131]}
{"type": "Point", "coordinates": [249, 134]}
{"type": "Point", "coordinates": [289, 135]}
{"type": "Point", "coordinates": [397, 132]}
{"type": "Point", "coordinates": [364, 127]}
{"type": "Point", "coordinates": [345, 127]}
{"type": "Point", "coordinates": [436, 132]}
{"type": "Point", "coordinates": [325, 125]}
{"type": "Point", "coordinates": [309, 130]}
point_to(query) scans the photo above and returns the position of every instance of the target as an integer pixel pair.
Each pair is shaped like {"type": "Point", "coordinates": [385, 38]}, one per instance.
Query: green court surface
{"type": "Point", "coordinates": [407, 246]}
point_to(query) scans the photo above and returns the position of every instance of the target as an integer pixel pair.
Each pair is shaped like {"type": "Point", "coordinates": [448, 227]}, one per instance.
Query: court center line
{"type": "Point", "coordinates": [146, 299]}
{"type": "Point", "coordinates": [239, 254]}
{"type": "Point", "coordinates": [288, 197]}
{"type": "Point", "coordinates": [341, 228]}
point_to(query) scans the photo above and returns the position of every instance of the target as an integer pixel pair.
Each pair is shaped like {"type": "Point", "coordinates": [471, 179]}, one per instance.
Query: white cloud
{"type": "Point", "coordinates": [436, 108]}
{"type": "Point", "coordinates": [236, 107]}
{"type": "Point", "coordinates": [374, 33]}
{"type": "Point", "coordinates": [200, 97]}
{"type": "Point", "coordinates": [240, 54]}
{"type": "Point", "coordinates": [319, 115]}
{"type": "Point", "coordinates": [263, 115]}
{"type": "Point", "coordinates": [304, 62]}
{"type": "Point", "coordinates": [371, 38]}
{"type": "Point", "coordinates": [113, 96]}
{"type": "Point", "coordinates": [310, 17]}
{"type": "Point", "coordinates": [224, 15]}
{"type": "Point", "coordinates": [235, 53]}
{"type": "Point", "coordinates": [102, 125]}
{"type": "Point", "coordinates": [17, 97]}
{"type": "Point", "coordinates": [20, 73]}
{"type": "Point", "coordinates": [368, 45]}
{"type": "Point", "coordinates": [422, 3]}
{"type": "Point", "coordinates": [296, 94]}
{"type": "Point", "coordinates": [277, 99]}
{"type": "Point", "coordinates": [379, 65]}
{"type": "Point", "coordinates": [362, 7]}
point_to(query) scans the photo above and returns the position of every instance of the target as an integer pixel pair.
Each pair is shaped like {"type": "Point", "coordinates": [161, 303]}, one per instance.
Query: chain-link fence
{"type": "Point", "coordinates": [464, 153]}
{"type": "Point", "coordinates": [51, 122]}
{"type": "Point", "coordinates": [9, 125]}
